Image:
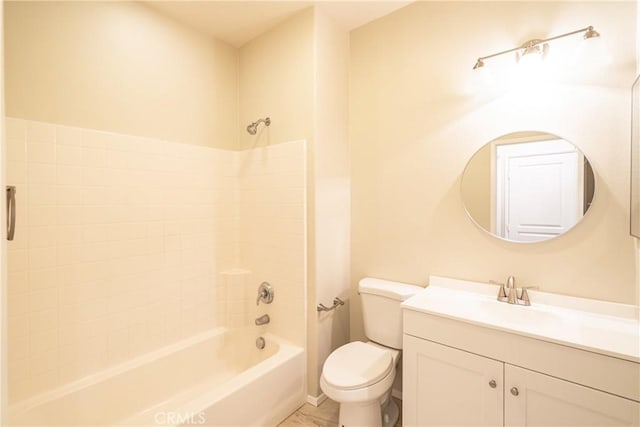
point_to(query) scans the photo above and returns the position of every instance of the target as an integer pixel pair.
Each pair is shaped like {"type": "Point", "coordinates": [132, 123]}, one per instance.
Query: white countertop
{"type": "Point", "coordinates": [602, 327]}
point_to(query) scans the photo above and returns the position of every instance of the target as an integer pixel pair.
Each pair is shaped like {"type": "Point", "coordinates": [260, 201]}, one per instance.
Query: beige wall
{"type": "Point", "coordinates": [332, 210]}
{"type": "Point", "coordinates": [418, 113]}
{"type": "Point", "coordinates": [276, 81]}
{"type": "Point", "coordinates": [120, 67]}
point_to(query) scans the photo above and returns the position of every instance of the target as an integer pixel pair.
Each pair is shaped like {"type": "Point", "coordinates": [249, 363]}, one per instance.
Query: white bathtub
{"type": "Point", "coordinates": [218, 378]}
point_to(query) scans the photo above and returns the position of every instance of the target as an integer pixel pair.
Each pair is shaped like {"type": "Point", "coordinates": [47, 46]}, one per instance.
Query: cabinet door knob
{"type": "Point", "coordinates": [492, 384]}
{"type": "Point", "coordinates": [514, 391]}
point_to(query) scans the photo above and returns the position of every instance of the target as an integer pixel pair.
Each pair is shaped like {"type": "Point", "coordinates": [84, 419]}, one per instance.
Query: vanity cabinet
{"type": "Point", "coordinates": [458, 373]}
{"type": "Point", "coordinates": [447, 386]}
{"type": "Point", "coordinates": [542, 400]}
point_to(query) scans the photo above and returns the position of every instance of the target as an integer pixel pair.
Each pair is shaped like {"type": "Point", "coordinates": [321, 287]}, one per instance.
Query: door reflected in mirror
{"type": "Point", "coordinates": [528, 186]}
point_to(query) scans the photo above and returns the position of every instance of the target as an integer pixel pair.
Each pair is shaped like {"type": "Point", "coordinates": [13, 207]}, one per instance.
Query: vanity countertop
{"type": "Point", "coordinates": [607, 328]}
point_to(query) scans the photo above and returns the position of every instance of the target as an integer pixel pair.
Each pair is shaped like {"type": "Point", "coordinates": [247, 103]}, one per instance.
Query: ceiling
{"type": "Point", "coordinates": [237, 21]}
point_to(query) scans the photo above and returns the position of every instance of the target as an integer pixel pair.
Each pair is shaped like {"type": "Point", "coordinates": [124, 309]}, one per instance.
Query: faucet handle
{"type": "Point", "coordinates": [502, 293]}
{"type": "Point", "coordinates": [265, 293]}
{"type": "Point", "coordinates": [523, 299]}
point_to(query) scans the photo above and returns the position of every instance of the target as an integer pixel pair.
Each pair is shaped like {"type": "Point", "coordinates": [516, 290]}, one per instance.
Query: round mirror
{"type": "Point", "coordinates": [528, 186]}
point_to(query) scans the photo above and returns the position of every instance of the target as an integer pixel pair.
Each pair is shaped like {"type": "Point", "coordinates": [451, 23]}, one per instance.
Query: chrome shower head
{"type": "Point", "coordinates": [253, 127]}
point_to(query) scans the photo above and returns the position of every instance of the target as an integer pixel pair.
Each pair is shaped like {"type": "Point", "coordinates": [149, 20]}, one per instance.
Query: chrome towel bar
{"type": "Point", "coordinates": [336, 302]}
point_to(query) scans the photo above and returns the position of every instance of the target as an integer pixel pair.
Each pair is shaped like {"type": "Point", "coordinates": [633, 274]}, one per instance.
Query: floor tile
{"type": "Point", "coordinates": [325, 415]}
{"type": "Point", "coordinates": [299, 419]}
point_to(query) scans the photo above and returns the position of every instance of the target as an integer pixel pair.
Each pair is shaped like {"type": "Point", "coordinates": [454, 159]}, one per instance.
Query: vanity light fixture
{"type": "Point", "coordinates": [537, 47]}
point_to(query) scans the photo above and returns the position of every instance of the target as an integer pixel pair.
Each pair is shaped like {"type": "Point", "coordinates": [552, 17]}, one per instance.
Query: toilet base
{"type": "Point", "coordinates": [390, 413]}
{"type": "Point", "coordinates": [360, 414]}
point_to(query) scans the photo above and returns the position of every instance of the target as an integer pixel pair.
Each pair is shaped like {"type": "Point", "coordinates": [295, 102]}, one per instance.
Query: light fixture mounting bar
{"type": "Point", "coordinates": [589, 32]}
{"type": "Point", "coordinates": [582, 30]}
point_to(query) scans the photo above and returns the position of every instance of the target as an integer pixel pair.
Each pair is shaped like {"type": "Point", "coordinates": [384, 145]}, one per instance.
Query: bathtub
{"type": "Point", "coordinates": [218, 378]}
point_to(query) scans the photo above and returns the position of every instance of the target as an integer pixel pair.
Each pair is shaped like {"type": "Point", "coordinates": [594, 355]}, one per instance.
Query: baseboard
{"type": "Point", "coordinates": [316, 400]}
{"type": "Point", "coordinates": [396, 393]}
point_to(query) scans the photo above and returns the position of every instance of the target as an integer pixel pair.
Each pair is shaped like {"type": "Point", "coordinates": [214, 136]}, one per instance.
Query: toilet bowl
{"type": "Point", "coordinates": [359, 375]}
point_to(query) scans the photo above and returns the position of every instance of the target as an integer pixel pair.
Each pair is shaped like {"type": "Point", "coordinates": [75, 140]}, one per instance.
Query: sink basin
{"type": "Point", "coordinates": [600, 326]}
{"type": "Point", "coordinates": [519, 315]}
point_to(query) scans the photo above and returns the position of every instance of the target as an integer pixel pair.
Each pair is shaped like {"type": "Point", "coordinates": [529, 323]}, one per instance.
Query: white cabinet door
{"type": "Point", "coordinates": [448, 387]}
{"type": "Point", "coordinates": [541, 400]}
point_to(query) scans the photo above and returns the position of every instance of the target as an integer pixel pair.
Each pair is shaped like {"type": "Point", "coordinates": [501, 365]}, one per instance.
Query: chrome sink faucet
{"type": "Point", "coordinates": [512, 291]}
{"type": "Point", "coordinates": [510, 294]}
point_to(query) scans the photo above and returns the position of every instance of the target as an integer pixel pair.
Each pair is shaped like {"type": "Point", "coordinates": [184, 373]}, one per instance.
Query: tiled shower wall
{"type": "Point", "coordinates": [272, 238]}
{"type": "Point", "coordinates": [270, 215]}
{"type": "Point", "coordinates": [120, 241]}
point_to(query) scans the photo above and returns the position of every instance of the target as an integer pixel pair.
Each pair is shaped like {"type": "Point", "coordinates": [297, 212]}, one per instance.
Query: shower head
{"type": "Point", "coordinates": [253, 127]}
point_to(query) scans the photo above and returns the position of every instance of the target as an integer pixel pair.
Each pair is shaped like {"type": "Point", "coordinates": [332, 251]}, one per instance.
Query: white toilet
{"type": "Point", "coordinates": [359, 375]}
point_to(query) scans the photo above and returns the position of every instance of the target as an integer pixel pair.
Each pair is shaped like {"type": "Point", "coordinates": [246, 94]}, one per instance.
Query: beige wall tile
{"type": "Point", "coordinates": [16, 173]}
{"type": "Point", "coordinates": [40, 132]}
{"type": "Point", "coordinates": [17, 261]}
{"type": "Point", "coordinates": [46, 194]}
{"type": "Point", "coordinates": [40, 321]}
{"type": "Point", "coordinates": [46, 215]}
{"type": "Point", "coordinates": [68, 136]}
{"type": "Point", "coordinates": [45, 299]}
{"type": "Point", "coordinates": [41, 173]}
{"type": "Point", "coordinates": [41, 152]}
{"type": "Point", "coordinates": [15, 128]}
{"type": "Point", "coordinates": [120, 257]}
{"type": "Point", "coordinates": [18, 282]}
{"type": "Point", "coordinates": [18, 304]}
{"type": "Point", "coordinates": [16, 150]}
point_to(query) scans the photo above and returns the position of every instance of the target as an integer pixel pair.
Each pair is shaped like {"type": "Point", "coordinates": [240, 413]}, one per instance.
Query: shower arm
{"type": "Point", "coordinates": [266, 121]}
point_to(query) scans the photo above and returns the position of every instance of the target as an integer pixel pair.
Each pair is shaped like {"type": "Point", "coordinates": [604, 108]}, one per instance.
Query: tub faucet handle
{"type": "Point", "coordinates": [265, 293]}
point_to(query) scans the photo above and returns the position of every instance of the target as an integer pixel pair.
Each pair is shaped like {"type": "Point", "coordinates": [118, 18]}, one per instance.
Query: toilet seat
{"type": "Point", "coordinates": [357, 365]}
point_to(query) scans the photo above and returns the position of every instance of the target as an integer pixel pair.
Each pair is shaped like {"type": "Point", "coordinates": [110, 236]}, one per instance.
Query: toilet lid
{"type": "Point", "coordinates": [356, 365]}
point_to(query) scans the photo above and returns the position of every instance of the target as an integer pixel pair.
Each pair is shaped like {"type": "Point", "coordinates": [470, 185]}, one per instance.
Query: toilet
{"type": "Point", "coordinates": [359, 375]}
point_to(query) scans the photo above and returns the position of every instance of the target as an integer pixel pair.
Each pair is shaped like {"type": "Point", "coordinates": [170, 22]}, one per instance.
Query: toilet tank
{"type": "Point", "coordinates": [381, 312]}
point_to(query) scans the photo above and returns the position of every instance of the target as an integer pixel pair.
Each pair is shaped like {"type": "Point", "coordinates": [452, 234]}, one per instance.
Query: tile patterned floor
{"type": "Point", "coordinates": [325, 415]}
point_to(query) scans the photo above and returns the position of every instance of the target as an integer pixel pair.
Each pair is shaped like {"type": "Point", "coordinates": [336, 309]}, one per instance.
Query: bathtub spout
{"type": "Point", "coordinates": [263, 320]}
